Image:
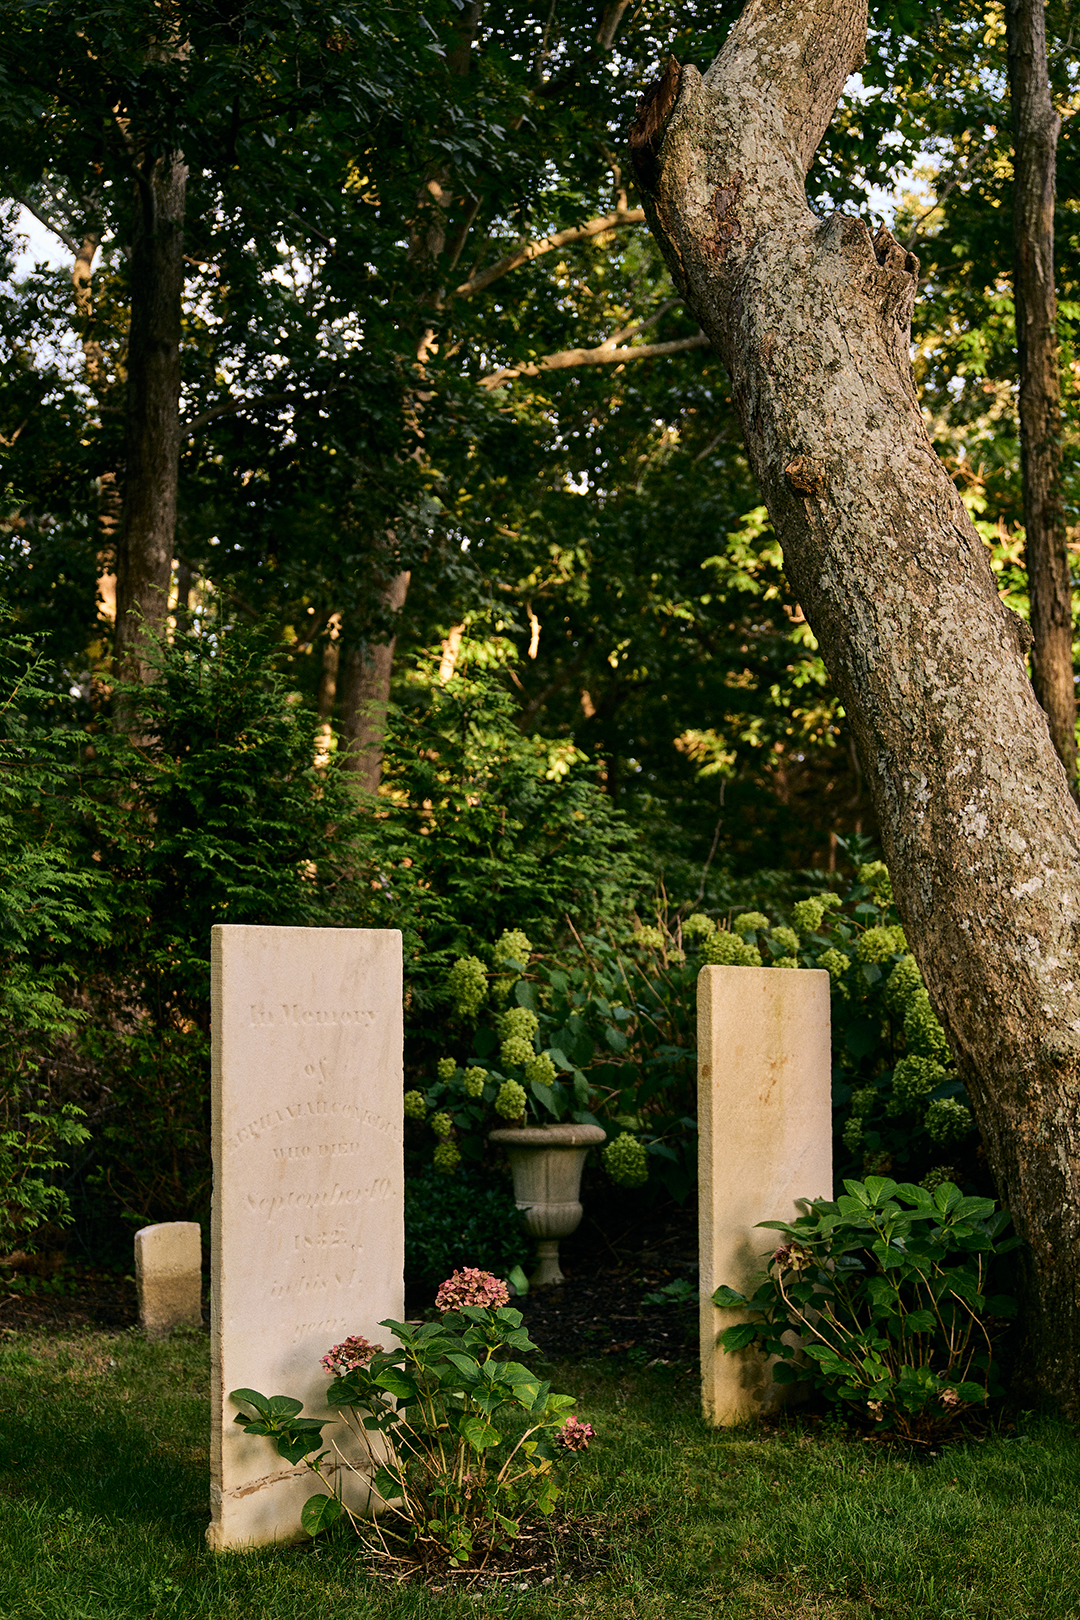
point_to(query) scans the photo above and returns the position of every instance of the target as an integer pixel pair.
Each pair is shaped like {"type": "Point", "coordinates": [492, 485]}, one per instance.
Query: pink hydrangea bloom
{"type": "Point", "coordinates": [575, 1435]}
{"type": "Point", "coordinates": [348, 1355]}
{"type": "Point", "coordinates": [471, 1287]}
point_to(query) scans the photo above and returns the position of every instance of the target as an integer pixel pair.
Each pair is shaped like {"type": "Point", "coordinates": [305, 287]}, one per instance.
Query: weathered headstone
{"type": "Point", "coordinates": [168, 1274]}
{"type": "Point", "coordinates": [308, 1227]}
{"type": "Point", "coordinates": [765, 1124]}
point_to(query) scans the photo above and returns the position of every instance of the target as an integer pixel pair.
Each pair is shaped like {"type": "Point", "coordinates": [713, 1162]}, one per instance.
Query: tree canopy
{"type": "Point", "coordinates": [416, 283]}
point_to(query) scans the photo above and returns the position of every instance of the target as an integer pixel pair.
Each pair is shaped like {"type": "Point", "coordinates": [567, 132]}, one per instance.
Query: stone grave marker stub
{"type": "Point", "coordinates": [307, 1234]}
{"type": "Point", "coordinates": [168, 1275]}
{"type": "Point", "coordinates": [765, 1140]}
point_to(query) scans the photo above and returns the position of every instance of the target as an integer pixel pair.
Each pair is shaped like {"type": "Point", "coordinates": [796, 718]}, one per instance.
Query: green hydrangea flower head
{"type": "Point", "coordinates": [852, 1134]}
{"type": "Point", "coordinates": [947, 1119]}
{"type": "Point", "coordinates": [922, 1032]}
{"type": "Point", "coordinates": [473, 1082]}
{"type": "Point", "coordinates": [467, 985]}
{"type": "Point", "coordinates": [750, 922]}
{"type": "Point", "coordinates": [875, 876]}
{"type": "Point", "coordinates": [442, 1125]}
{"type": "Point", "coordinates": [515, 1051]}
{"type": "Point", "coordinates": [831, 901]}
{"type": "Point", "coordinates": [518, 1021]}
{"type": "Point", "coordinates": [512, 950]}
{"type": "Point", "coordinates": [915, 1078]}
{"type": "Point", "coordinates": [415, 1106]}
{"type": "Point", "coordinates": [541, 1069]}
{"type": "Point", "coordinates": [446, 1069]}
{"type": "Point", "coordinates": [446, 1158]}
{"type": "Point", "coordinates": [786, 962]}
{"type": "Point", "coordinates": [878, 944]}
{"type": "Point", "coordinates": [511, 1100]}
{"type": "Point", "coordinates": [787, 939]}
{"type": "Point", "coordinates": [807, 914]}
{"type": "Point", "coordinates": [697, 925]}
{"type": "Point", "coordinates": [938, 1177]}
{"type": "Point", "coordinates": [903, 982]}
{"type": "Point", "coordinates": [724, 949]}
{"type": "Point", "coordinates": [649, 936]}
{"type": "Point", "coordinates": [626, 1161]}
{"type": "Point", "coordinates": [836, 965]}
{"type": "Point", "coordinates": [862, 1100]}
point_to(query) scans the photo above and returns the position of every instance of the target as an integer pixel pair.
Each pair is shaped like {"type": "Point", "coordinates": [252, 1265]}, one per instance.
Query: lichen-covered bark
{"type": "Point", "coordinates": [811, 317]}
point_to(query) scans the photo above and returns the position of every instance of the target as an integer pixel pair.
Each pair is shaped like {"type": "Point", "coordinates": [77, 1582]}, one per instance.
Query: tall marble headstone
{"type": "Point", "coordinates": [307, 1241]}
{"type": "Point", "coordinates": [765, 1124]}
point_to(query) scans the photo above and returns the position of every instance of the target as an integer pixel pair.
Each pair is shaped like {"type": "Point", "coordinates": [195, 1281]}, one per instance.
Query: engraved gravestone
{"type": "Point", "coordinates": [765, 1140]}
{"type": "Point", "coordinates": [168, 1275]}
{"type": "Point", "coordinates": [307, 1240]}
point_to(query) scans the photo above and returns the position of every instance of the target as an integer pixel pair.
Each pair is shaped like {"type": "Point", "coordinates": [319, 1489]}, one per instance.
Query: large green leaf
{"type": "Point", "coordinates": [480, 1434]}
{"type": "Point", "coordinates": [319, 1513]}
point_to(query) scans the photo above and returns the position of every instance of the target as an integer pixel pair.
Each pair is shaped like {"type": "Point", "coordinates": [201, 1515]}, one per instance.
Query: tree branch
{"type": "Point", "coordinates": [533, 250]}
{"type": "Point", "coordinates": [606, 354]}
{"type": "Point", "coordinates": [233, 407]}
{"type": "Point", "coordinates": [49, 223]}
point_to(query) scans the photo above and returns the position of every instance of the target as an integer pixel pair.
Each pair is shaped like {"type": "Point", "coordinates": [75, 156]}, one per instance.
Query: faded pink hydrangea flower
{"type": "Point", "coordinates": [348, 1355]}
{"type": "Point", "coordinates": [471, 1287]}
{"type": "Point", "coordinates": [793, 1257]}
{"type": "Point", "coordinates": [575, 1435]}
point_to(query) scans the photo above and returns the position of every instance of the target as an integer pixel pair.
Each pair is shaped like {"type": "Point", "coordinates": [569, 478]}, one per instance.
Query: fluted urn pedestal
{"type": "Point", "coordinates": [546, 1162]}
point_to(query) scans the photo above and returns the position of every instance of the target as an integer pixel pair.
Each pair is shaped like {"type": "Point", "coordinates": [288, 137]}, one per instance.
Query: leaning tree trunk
{"type": "Point", "coordinates": [152, 430]}
{"type": "Point", "coordinates": [811, 317]}
{"type": "Point", "coordinates": [1035, 133]}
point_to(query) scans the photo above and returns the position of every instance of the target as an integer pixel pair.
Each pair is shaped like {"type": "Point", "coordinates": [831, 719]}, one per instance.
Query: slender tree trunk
{"type": "Point", "coordinates": [152, 431]}
{"type": "Point", "coordinates": [811, 317]}
{"type": "Point", "coordinates": [1035, 134]}
{"type": "Point", "coordinates": [366, 667]}
{"type": "Point", "coordinates": [363, 685]}
{"type": "Point", "coordinates": [82, 272]}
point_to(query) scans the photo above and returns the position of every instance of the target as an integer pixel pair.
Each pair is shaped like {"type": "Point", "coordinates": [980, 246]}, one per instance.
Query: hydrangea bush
{"type": "Point", "coordinates": [606, 1035]}
{"type": "Point", "coordinates": [885, 1293]}
{"type": "Point", "coordinates": [461, 1442]}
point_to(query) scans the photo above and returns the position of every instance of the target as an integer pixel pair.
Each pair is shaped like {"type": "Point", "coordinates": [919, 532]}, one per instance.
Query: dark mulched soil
{"type": "Point", "coordinates": [599, 1310]}
{"type": "Point", "coordinates": [551, 1553]}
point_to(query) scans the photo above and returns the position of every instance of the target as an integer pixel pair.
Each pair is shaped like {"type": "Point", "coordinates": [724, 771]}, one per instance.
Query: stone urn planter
{"type": "Point", "coordinates": [546, 1162]}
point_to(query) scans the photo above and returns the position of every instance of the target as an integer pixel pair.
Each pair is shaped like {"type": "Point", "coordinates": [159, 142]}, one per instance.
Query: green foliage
{"type": "Point", "coordinates": [469, 1218]}
{"type": "Point", "coordinates": [123, 856]}
{"type": "Point", "coordinates": [31, 1152]}
{"type": "Point", "coordinates": [482, 833]}
{"type": "Point", "coordinates": [886, 1290]}
{"type": "Point", "coordinates": [53, 910]}
{"type": "Point", "coordinates": [467, 1437]}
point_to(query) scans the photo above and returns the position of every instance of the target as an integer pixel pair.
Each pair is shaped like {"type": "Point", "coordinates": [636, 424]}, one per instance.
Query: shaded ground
{"type": "Point", "coordinates": [76, 1297]}
{"type": "Point", "coordinates": [597, 1312]}
{"type": "Point", "coordinates": [600, 1311]}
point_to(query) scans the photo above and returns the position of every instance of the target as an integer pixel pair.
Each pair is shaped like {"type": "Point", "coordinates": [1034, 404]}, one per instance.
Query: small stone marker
{"type": "Point", "coordinates": [168, 1273]}
{"type": "Point", "coordinates": [307, 1238]}
{"type": "Point", "coordinates": [765, 1124]}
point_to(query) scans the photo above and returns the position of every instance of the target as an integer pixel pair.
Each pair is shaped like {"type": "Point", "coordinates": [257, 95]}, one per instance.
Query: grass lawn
{"type": "Point", "coordinates": [103, 1485]}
